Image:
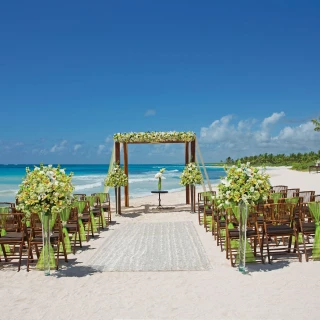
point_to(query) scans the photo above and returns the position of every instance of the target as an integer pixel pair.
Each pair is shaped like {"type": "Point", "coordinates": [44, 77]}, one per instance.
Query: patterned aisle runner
{"type": "Point", "coordinates": [165, 246]}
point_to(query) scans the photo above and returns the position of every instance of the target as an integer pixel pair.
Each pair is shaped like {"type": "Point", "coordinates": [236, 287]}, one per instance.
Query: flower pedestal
{"type": "Point", "coordinates": [193, 193]}
{"type": "Point", "coordinates": [46, 250]}
{"type": "Point", "coordinates": [243, 217]}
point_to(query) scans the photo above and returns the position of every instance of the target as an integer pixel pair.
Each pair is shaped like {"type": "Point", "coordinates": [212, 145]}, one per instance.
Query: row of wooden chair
{"type": "Point", "coordinates": [21, 235]}
{"type": "Point", "coordinates": [267, 223]}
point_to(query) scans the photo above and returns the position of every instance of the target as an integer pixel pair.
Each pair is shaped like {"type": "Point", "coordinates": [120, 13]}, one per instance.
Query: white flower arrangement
{"type": "Point", "coordinates": [191, 175]}
{"type": "Point", "coordinates": [159, 174]}
{"type": "Point", "coordinates": [155, 137]}
{"type": "Point", "coordinates": [116, 177]}
{"type": "Point", "coordinates": [44, 190]}
{"type": "Point", "coordinates": [243, 182]}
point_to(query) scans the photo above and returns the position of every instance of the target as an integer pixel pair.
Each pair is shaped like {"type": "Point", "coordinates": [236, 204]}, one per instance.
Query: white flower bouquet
{"type": "Point", "coordinates": [243, 182]}
{"type": "Point", "coordinates": [116, 177]}
{"type": "Point", "coordinates": [191, 175]}
{"type": "Point", "coordinates": [159, 176]}
{"type": "Point", "coordinates": [45, 190]}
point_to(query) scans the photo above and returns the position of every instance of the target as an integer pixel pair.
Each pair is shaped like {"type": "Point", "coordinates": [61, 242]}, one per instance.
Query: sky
{"type": "Point", "coordinates": [243, 75]}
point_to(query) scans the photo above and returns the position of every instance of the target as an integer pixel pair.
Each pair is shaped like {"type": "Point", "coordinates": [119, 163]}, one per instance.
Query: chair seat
{"type": "Point", "coordinates": [38, 239]}
{"type": "Point", "coordinates": [309, 227]}
{"type": "Point", "coordinates": [71, 226]}
{"type": "Point", "coordinates": [280, 230]}
{"type": "Point", "coordinates": [12, 236]}
{"type": "Point", "coordinates": [234, 233]}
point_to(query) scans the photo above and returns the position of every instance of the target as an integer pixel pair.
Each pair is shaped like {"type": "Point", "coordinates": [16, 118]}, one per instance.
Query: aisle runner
{"type": "Point", "coordinates": [165, 246]}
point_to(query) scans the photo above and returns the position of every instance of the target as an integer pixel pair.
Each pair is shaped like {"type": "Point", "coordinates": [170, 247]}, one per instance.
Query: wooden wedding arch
{"type": "Point", "coordinates": [188, 138]}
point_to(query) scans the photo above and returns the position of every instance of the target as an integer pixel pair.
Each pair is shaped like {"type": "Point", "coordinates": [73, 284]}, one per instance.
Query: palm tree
{"type": "Point", "coordinates": [316, 124]}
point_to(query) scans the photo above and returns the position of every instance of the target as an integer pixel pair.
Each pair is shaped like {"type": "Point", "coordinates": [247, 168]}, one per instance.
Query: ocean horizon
{"type": "Point", "coordinates": [89, 178]}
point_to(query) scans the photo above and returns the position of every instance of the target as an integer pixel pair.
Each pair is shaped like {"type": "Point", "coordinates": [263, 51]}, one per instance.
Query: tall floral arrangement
{"type": "Point", "coordinates": [116, 177]}
{"type": "Point", "coordinates": [159, 176]}
{"type": "Point", "coordinates": [45, 190]}
{"type": "Point", "coordinates": [243, 182]}
{"type": "Point", "coordinates": [191, 175]}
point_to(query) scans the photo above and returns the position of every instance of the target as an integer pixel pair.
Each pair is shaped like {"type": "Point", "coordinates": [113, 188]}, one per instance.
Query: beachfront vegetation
{"type": "Point", "coordinates": [298, 161]}
{"type": "Point", "coordinates": [316, 124]}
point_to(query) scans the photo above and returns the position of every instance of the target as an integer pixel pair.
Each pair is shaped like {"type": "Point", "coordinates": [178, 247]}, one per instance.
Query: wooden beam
{"type": "Point", "coordinates": [187, 161]}
{"type": "Point", "coordinates": [125, 162]}
{"type": "Point", "coordinates": [117, 156]}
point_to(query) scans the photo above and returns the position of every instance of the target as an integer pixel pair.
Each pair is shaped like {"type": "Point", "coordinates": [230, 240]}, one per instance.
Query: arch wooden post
{"type": "Point", "coordinates": [125, 163]}
{"type": "Point", "coordinates": [117, 158]}
{"type": "Point", "coordinates": [193, 151]}
{"type": "Point", "coordinates": [187, 161]}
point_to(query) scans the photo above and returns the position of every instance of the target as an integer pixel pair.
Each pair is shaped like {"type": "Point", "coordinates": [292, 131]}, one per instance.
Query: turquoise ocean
{"type": "Point", "coordinates": [88, 178]}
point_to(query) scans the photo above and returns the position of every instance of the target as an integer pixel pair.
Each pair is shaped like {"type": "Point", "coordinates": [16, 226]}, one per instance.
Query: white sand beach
{"type": "Point", "coordinates": [282, 290]}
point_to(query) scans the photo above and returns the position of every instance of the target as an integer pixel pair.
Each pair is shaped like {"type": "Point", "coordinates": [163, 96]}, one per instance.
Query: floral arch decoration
{"type": "Point", "coordinates": [186, 137]}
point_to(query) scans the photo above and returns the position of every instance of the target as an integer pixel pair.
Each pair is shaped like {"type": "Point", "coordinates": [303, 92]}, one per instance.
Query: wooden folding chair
{"type": "Point", "coordinates": [105, 203]}
{"type": "Point", "coordinates": [279, 228]}
{"type": "Point", "coordinates": [12, 235]}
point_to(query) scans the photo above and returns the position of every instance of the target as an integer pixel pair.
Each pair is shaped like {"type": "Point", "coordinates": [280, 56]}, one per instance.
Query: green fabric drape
{"type": "Point", "coordinates": [315, 210]}
{"type": "Point", "coordinates": [102, 197]}
{"type": "Point", "coordinates": [91, 200]}
{"type": "Point", "coordinates": [64, 215]}
{"type": "Point", "coordinates": [294, 200]}
{"type": "Point", "coordinates": [80, 205]}
{"type": "Point", "coordinates": [276, 196]}
{"type": "Point", "coordinates": [3, 231]}
{"type": "Point", "coordinates": [235, 243]}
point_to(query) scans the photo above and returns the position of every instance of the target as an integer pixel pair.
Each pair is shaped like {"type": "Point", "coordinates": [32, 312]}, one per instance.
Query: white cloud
{"type": "Point", "coordinates": [150, 112]}
{"type": "Point", "coordinates": [77, 147]}
{"type": "Point", "coordinates": [275, 117]}
{"type": "Point", "coordinates": [101, 148]}
{"type": "Point", "coordinates": [59, 147]}
{"type": "Point", "coordinates": [108, 139]}
{"type": "Point", "coordinates": [225, 138]}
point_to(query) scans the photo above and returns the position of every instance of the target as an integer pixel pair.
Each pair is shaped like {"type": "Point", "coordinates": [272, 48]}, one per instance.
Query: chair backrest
{"type": "Point", "coordinates": [315, 197]}
{"type": "Point", "coordinates": [291, 192]}
{"type": "Point", "coordinates": [103, 196]}
{"type": "Point", "coordinates": [305, 196]}
{"type": "Point", "coordinates": [11, 222]}
{"type": "Point", "coordinates": [35, 224]}
{"type": "Point", "coordinates": [278, 213]}
{"type": "Point", "coordinates": [203, 194]}
{"type": "Point", "coordinates": [79, 196]}
{"type": "Point", "coordinates": [278, 188]}
{"type": "Point", "coordinates": [73, 216]}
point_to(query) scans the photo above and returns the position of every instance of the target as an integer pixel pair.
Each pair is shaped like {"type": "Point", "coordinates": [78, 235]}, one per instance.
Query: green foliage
{"type": "Point", "coordinates": [45, 189]}
{"type": "Point", "coordinates": [316, 124]}
{"type": "Point", "coordinates": [116, 177]}
{"type": "Point", "coordinates": [303, 166]}
{"type": "Point", "coordinates": [191, 175]}
{"type": "Point", "coordinates": [298, 161]}
{"type": "Point", "coordinates": [243, 182]}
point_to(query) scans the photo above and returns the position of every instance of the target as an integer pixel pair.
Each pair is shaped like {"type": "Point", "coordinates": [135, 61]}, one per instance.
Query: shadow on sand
{"type": "Point", "coordinates": [75, 271]}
